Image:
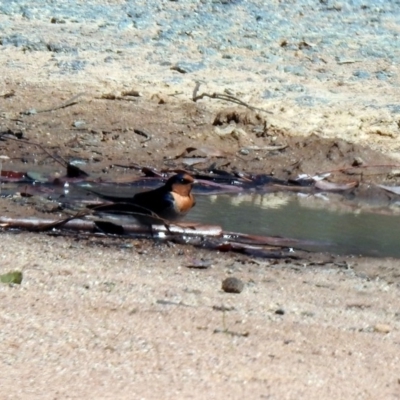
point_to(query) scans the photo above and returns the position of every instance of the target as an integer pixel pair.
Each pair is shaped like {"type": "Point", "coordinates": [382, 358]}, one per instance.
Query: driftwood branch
{"type": "Point", "coordinates": [222, 240]}
{"type": "Point", "coordinates": [225, 97]}
{"type": "Point", "coordinates": [37, 224]}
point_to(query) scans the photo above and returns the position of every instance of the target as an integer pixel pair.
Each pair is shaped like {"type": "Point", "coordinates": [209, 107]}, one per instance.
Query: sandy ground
{"type": "Point", "coordinates": [127, 319]}
{"type": "Point", "coordinates": [105, 318]}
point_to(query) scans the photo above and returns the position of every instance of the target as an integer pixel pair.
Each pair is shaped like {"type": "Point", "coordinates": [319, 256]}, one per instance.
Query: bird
{"type": "Point", "coordinates": [170, 202]}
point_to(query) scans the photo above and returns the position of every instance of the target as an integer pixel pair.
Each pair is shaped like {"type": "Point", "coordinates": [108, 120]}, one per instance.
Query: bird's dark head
{"type": "Point", "coordinates": [181, 183]}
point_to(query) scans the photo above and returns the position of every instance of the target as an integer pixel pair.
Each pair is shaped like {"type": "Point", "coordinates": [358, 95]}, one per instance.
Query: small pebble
{"type": "Point", "coordinates": [361, 74]}
{"type": "Point", "coordinates": [159, 98]}
{"type": "Point", "coordinates": [357, 162]}
{"type": "Point", "coordinates": [187, 67]}
{"type": "Point", "coordinates": [199, 264]}
{"type": "Point", "coordinates": [382, 328]}
{"type": "Point", "coordinates": [280, 311]}
{"type": "Point", "coordinates": [133, 93]}
{"type": "Point", "coordinates": [31, 111]}
{"type": "Point", "coordinates": [78, 124]}
{"type": "Point", "coordinates": [232, 285]}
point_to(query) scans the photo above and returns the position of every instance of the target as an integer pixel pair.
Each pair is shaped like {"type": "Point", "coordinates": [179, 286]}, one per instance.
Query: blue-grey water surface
{"type": "Point", "coordinates": [338, 231]}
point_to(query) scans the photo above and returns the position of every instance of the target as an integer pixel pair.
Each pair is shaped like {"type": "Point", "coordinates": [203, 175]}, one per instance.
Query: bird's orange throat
{"type": "Point", "coordinates": [184, 203]}
{"type": "Point", "coordinates": [182, 190]}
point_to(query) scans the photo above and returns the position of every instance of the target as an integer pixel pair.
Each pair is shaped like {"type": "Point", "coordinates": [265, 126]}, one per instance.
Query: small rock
{"type": "Point", "coordinates": [199, 264]}
{"type": "Point", "coordinates": [56, 20]}
{"type": "Point", "coordinates": [295, 70]}
{"type": "Point", "coordinates": [357, 162]}
{"type": "Point", "coordinates": [187, 67]}
{"type": "Point", "coordinates": [132, 92]}
{"type": "Point", "coordinates": [31, 111]}
{"type": "Point", "coordinates": [232, 285]}
{"type": "Point", "coordinates": [280, 311]}
{"type": "Point", "coordinates": [382, 75]}
{"type": "Point", "coordinates": [78, 124]}
{"type": "Point", "coordinates": [159, 98]}
{"type": "Point", "coordinates": [232, 114]}
{"type": "Point", "coordinates": [361, 74]}
{"type": "Point", "coordinates": [382, 328]}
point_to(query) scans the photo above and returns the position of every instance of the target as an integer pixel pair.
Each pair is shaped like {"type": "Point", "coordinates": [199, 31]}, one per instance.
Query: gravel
{"type": "Point", "coordinates": [264, 28]}
{"type": "Point", "coordinates": [315, 54]}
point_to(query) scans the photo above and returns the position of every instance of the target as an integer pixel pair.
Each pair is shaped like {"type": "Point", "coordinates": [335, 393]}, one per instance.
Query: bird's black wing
{"type": "Point", "coordinates": [115, 199]}
{"type": "Point", "coordinates": [158, 201]}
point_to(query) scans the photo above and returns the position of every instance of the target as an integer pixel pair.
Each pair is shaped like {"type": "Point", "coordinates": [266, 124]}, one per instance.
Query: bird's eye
{"type": "Point", "coordinates": [182, 180]}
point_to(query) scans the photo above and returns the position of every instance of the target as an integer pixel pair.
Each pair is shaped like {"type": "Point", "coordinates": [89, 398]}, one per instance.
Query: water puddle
{"type": "Point", "coordinates": [335, 223]}
{"type": "Point", "coordinates": [339, 227]}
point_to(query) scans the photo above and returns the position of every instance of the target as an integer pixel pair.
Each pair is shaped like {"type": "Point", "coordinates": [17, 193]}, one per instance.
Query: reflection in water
{"type": "Point", "coordinates": [339, 225]}
{"type": "Point", "coordinates": [347, 230]}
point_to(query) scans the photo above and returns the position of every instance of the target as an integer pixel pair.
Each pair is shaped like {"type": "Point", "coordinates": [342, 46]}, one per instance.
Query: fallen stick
{"type": "Point", "coordinates": [70, 102]}
{"type": "Point", "coordinates": [187, 230]}
{"type": "Point", "coordinates": [141, 132]}
{"type": "Point", "coordinates": [36, 224]}
{"type": "Point", "coordinates": [225, 97]}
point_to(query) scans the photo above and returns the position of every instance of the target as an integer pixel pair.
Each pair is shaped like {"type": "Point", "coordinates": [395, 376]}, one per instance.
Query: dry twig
{"type": "Point", "coordinates": [225, 97]}
{"type": "Point", "coordinates": [71, 223]}
{"type": "Point", "coordinates": [144, 134]}
{"type": "Point", "coordinates": [70, 102]}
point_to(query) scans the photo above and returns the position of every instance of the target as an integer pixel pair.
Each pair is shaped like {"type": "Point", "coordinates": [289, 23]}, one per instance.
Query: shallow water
{"type": "Point", "coordinates": [340, 230]}
{"type": "Point", "coordinates": [328, 222]}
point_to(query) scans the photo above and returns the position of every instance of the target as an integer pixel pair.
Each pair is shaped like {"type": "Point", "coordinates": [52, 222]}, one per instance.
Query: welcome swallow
{"type": "Point", "coordinates": [169, 202]}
